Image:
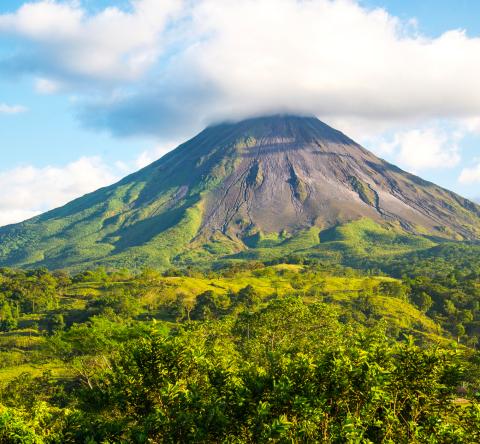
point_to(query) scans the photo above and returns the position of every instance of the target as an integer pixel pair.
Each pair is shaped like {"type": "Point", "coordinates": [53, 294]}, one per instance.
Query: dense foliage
{"type": "Point", "coordinates": [254, 352]}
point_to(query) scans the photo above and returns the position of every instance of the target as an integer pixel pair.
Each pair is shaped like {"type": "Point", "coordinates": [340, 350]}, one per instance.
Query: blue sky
{"type": "Point", "coordinates": [91, 90]}
{"type": "Point", "coordinates": [434, 16]}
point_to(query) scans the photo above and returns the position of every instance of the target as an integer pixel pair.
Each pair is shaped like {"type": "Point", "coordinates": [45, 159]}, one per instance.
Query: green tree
{"type": "Point", "coordinates": [55, 323]}
{"type": "Point", "coordinates": [183, 306]}
{"type": "Point", "coordinates": [205, 306]}
{"type": "Point", "coordinates": [248, 297]}
{"type": "Point", "coordinates": [459, 331]}
{"type": "Point", "coordinates": [8, 324]}
{"type": "Point", "coordinates": [394, 289]}
{"type": "Point", "coordinates": [449, 308]}
{"type": "Point", "coordinates": [424, 301]}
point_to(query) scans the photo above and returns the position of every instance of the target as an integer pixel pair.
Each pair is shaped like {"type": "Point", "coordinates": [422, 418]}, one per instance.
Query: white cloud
{"type": "Point", "coordinates": [47, 86]}
{"type": "Point", "coordinates": [422, 148]}
{"type": "Point", "coordinates": [26, 191]}
{"type": "Point", "coordinates": [332, 58]}
{"type": "Point", "coordinates": [470, 175]}
{"type": "Point", "coordinates": [11, 109]}
{"type": "Point", "coordinates": [168, 67]}
{"type": "Point", "coordinates": [110, 45]}
{"type": "Point", "coordinates": [148, 156]}
{"type": "Point", "coordinates": [471, 124]}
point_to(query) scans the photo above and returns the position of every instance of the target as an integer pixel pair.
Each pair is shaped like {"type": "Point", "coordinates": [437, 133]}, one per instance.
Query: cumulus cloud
{"type": "Point", "coordinates": [421, 149]}
{"type": "Point", "coordinates": [329, 58]}
{"type": "Point", "coordinates": [11, 109]}
{"type": "Point", "coordinates": [471, 174]}
{"type": "Point", "coordinates": [26, 191]}
{"type": "Point", "coordinates": [65, 42]}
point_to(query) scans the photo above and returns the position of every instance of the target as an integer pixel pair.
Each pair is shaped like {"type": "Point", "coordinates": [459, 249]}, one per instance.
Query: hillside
{"type": "Point", "coordinates": [250, 353]}
{"type": "Point", "coordinates": [281, 183]}
{"type": "Point", "coordinates": [49, 303]}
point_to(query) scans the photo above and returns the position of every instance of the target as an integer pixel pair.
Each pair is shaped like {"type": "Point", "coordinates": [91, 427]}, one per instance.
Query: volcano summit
{"type": "Point", "coordinates": [238, 187]}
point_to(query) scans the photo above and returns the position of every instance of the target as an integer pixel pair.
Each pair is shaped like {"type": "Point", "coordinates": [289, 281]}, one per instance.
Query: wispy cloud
{"type": "Point", "coordinates": [470, 174]}
{"type": "Point", "coordinates": [11, 109]}
{"type": "Point", "coordinates": [47, 86]}
{"type": "Point", "coordinates": [422, 148]}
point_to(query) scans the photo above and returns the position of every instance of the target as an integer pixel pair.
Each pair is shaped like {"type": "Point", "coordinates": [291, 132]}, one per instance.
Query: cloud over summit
{"type": "Point", "coordinates": [164, 61]}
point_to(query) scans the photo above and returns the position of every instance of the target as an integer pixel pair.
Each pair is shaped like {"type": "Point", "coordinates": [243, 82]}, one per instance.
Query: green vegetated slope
{"type": "Point", "coordinates": [349, 243]}
{"type": "Point", "coordinates": [148, 217]}
{"type": "Point", "coordinates": [114, 228]}
{"type": "Point", "coordinates": [35, 302]}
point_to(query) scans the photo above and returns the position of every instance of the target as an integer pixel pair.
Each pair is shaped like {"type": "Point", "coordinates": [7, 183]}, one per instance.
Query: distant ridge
{"type": "Point", "coordinates": [235, 187]}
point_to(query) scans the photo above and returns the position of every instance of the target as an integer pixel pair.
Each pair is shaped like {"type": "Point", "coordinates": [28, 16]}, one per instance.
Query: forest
{"type": "Point", "coordinates": [288, 350]}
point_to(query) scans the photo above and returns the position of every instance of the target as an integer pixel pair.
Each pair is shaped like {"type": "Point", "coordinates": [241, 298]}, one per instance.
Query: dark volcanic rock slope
{"type": "Point", "coordinates": [293, 172]}
{"type": "Point", "coordinates": [269, 175]}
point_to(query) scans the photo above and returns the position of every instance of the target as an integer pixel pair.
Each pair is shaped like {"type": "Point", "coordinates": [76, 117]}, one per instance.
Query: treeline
{"type": "Point", "coordinates": [450, 298]}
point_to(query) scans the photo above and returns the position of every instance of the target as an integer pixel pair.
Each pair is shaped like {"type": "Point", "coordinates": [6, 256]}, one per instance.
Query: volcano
{"type": "Point", "coordinates": [233, 188]}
